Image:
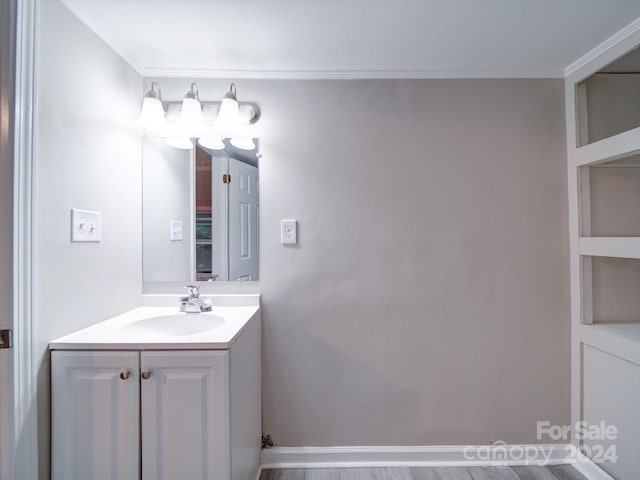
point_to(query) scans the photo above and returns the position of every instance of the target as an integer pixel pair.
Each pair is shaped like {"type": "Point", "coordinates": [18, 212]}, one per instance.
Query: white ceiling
{"type": "Point", "coordinates": [355, 38]}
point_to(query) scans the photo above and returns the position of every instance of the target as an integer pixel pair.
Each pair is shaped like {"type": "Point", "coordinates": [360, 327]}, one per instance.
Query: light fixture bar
{"type": "Point", "coordinates": [249, 111]}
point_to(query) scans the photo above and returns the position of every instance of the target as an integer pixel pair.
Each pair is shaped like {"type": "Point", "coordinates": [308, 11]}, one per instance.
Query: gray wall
{"type": "Point", "coordinates": [427, 301]}
{"type": "Point", "coordinates": [166, 196]}
{"type": "Point", "coordinates": [87, 156]}
{"type": "Point", "coordinates": [612, 104]}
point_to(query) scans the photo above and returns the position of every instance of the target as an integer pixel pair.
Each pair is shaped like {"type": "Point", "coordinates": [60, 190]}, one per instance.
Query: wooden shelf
{"type": "Point", "coordinates": [612, 148]}
{"type": "Point", "coordinates": [619, 339]}
{"type": "Point", "coordinates": [619, 247]}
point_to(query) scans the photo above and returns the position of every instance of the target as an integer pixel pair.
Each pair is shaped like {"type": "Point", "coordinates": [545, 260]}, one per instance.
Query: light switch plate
{"type": "Point", "coordinates": [86, 226]}
{"type": "Point", "coordinates": [175, 233]}
{"type": "Point", "coordinates": [288, 232]}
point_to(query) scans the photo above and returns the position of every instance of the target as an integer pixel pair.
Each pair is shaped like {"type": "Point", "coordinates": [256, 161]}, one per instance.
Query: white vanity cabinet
{"type": "Point", "coordinates": [184, 415]}
{"type": "Point", "coordinates": [95, 415]}
{"type": "Point", "coordinates": [157, 412]}
{"type": "Point", "coordinates": [113, 409]}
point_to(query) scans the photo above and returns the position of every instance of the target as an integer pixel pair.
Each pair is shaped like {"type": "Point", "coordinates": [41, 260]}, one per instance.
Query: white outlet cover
{"type": "Point", "coordinates": [288, 232]}
{"type": "Point", "coordinates": [86, 226]}
{"type": "Point", "coordinates": [175, 230]}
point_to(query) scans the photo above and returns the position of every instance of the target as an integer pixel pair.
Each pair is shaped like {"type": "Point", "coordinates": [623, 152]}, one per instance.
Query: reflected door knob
{"type": "Point", "coordinates": [146, 374]}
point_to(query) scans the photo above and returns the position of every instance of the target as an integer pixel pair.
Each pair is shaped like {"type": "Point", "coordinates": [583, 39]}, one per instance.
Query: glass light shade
{"type": "Point", "coordinates": [183, 143]}
{"type": "Point", "coordinates": [152, 115]}
{"type": "Point", "coordinates": [243, 143]}
{"type": "Point", "coordinates": [214, 143]}
{"type": "Point", "coordinates": [229, 113]}
{"type": "Point", "coordinates": [190, 122]}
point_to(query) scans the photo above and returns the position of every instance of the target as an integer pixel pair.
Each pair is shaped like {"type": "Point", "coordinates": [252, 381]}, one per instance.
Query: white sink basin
{"type": "Point", "coordinates": [177, 325]}
{"type": "Point", "coordinates": [157, 324]}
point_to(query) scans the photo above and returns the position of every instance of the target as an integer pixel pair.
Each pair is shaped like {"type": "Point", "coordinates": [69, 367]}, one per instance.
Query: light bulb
{"type": "Point", "coordinates": [183, 143]}
{"type": "Point", "coordinates": [243, 143]}
{"type": "Point", "coordinates": [214, 143]}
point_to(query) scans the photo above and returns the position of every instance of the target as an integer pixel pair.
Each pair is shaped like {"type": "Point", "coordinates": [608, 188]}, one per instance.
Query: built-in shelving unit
{"type": "Point", "coordinates": [619, 339]}
{"type": "Point", "coordinates": [601, 203]}
{"type": "Point", "coordinates": [609, 149]}
{"type": "Point", "coordinates": [603, 137]}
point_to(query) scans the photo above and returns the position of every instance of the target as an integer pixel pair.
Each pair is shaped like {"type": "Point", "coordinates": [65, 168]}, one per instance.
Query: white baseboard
{"type": "Point", "coordinates": [436, 456]}
{"type": "Point", "coordinates": [430, 456]}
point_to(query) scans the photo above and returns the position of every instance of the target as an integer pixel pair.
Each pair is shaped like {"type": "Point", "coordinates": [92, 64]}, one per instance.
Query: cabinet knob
{"type": "Point", "coordinates": [125, 374]}
{"type": "Point", "coordinates": [146, 374]}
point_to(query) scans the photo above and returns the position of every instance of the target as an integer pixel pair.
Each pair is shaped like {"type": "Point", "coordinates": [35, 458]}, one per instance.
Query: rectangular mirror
{"type": "Point", "coordinates": [200, 213]}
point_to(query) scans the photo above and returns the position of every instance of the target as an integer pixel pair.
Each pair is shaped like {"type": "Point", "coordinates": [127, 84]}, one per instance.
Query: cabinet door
{"type": "Point", "coordinates": [185, 415]}
{"type": "Point", "coordinates": [95, 415]}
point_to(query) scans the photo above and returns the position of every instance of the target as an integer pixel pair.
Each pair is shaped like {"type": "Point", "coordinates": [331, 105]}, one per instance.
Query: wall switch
{"type": "Point", "coordinates": [86, 226]}
{"type": "Point", "coordinates": [175, 227]}
{"type": "Point", "coordinates": [288, 232]}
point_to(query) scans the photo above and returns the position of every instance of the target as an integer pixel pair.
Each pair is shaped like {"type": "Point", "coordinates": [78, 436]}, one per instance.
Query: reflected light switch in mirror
{"type": "Point", "coordinates": [86, 226]}
{"type": "Point", "coordinates": [176, 230]}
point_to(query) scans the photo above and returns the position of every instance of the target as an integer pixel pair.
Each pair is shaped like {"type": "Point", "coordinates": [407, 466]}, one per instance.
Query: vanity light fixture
{"type": "Point", "coordinates": [152, 114]}
{"type": "Point", "coordinates": [243, 143]}
{"type": "Point", "coordinates": [190, 122]}
{"type": "Point", "coordinates": [184, 143]}
{"type": "Point", "coordinates": [214, 143]}
{"type": "Point", "coordinates": [210, 122]}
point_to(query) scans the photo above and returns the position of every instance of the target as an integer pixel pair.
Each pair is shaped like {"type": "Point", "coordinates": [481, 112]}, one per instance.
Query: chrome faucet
{"type": "Point", "coordinates": [193, 303]}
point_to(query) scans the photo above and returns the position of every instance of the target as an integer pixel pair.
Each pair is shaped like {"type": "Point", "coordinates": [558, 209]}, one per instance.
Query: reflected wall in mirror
{"type": "Point", "coordinates": [608, 102]}
{"type": "Point", "coordinates": [200, 213]}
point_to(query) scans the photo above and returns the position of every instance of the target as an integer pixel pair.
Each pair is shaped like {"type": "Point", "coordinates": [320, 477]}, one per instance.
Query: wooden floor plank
{"type": "Point", "coordinates": [394, 473]}
{"type": "Point", "coordinates": [531, 472]}
{"type": "Point", "coordinates": [565, 472]}
{"type": "Point", "coordinates": [287, 474]}
{"type": "Point", "coordinates": [493, 473]}
{"type": "Point", "coordinates": [424, 473]}
{"type": "Point", "coordinates": [322, 474]}
{"type": "Point", "coordinates": [355, 474]}
{"type": "Point", "coordinates": [265, 474]}
{"type": "Point", "coordinates": [454, 473]}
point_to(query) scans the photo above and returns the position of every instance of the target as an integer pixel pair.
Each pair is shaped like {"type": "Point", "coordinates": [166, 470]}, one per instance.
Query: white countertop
{"type": "Point", "coordinates": [229, 316]}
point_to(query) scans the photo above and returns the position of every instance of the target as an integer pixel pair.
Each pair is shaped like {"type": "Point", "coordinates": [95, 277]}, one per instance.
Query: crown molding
{"type": "Point", "coordinates": [293, 74]}
{"type": "Point", "coordinates": [603, 48]}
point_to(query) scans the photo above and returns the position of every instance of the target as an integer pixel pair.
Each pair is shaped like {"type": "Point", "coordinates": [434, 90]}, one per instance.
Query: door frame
{"type": "Point", "coordinates": [220, 221]}
{"type": "Point", "coordinates": [7, 62]}
{"type": "Point", "coordinates": [23, 407]}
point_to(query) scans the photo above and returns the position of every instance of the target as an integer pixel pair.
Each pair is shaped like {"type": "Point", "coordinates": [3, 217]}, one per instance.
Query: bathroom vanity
{"type": "Point", "coordinates": [158, 394]}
